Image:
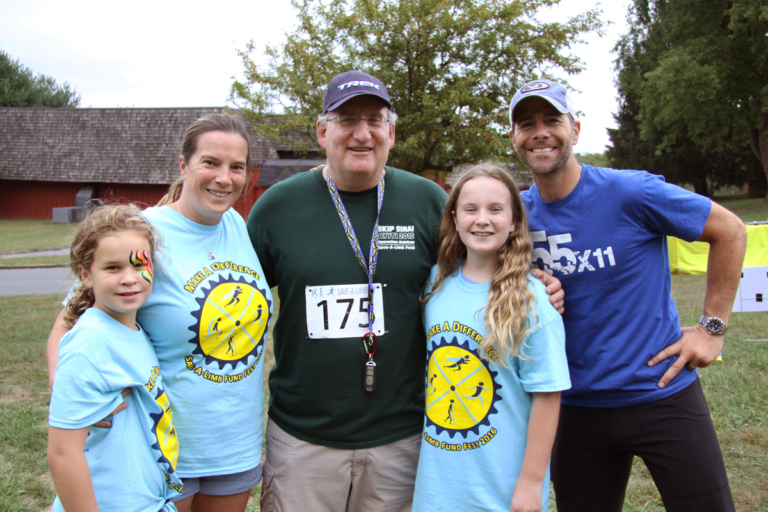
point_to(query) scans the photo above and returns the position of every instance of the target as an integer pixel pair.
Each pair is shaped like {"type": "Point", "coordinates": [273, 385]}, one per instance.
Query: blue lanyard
{"type": "Point", "coordinates": [370, 268]}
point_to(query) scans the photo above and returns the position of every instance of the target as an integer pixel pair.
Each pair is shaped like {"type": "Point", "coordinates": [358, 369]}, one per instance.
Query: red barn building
{"type": "Point", "coordinates": [62, 157]}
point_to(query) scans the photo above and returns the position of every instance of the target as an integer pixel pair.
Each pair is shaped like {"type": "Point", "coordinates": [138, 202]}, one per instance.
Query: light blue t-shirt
{"type": "Point", "coordinates": [476, 421]}
{"type": "Point", "coordinates": [606, 242]}
{"type": "Point", "coordinates": [207, 319]}
{"type": "Point", "coordinates": [132, 463]}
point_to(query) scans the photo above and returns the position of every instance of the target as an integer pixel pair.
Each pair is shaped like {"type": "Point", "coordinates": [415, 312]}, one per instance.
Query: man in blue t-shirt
{"type": "Point", "coordinates": [635, 391]}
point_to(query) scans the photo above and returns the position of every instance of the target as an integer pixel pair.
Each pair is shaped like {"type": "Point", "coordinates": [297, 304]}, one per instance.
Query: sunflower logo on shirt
{"type": "Point", "coordinates": [231, 322]}
{"type": "Point", "coordinates": [163, 435]}
{"type": "Point", "coordinates": [166, 441]}
{"type": "Point", "coordinates": [461, 390]}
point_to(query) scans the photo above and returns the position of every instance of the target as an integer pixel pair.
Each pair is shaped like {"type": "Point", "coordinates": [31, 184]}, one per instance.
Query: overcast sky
{"type": "Point", "coordinates": [183, 53]}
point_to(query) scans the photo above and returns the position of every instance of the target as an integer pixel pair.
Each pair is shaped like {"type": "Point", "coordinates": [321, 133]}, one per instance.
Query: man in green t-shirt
{"type": "Point", "coordinates": [350, 247]}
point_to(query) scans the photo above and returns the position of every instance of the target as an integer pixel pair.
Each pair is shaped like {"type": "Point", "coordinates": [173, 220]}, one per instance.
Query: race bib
{"type": "Point", "coordinates": [342, 311]}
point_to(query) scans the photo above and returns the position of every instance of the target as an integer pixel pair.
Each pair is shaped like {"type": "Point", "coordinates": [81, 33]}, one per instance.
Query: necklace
{"type": "Point", "coordinates": [211, 255]}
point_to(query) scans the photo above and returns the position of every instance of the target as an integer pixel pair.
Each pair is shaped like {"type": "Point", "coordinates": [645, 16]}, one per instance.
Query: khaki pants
{"type": "Point", "coordinates": [305, 477]}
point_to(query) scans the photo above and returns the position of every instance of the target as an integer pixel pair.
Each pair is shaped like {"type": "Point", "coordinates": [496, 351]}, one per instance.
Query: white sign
{"type": "Point", "coordinates": [341, 311]}
{"type": "Point", "coordinates": [752, 294]}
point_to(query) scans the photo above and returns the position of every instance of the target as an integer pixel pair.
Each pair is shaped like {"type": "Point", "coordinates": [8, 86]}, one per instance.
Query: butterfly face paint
{"type": "Point", "coordinates": [142, 259]}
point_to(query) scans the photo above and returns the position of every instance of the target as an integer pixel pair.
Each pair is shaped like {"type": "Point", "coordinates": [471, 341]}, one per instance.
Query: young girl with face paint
{"type": "Point", "coordinates": [496, 358]}
{"type": "Point", "coordinates": [131, 466]}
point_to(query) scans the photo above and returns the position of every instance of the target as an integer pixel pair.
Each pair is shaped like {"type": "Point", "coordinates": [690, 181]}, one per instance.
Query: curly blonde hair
{"type": "Point", "coordinates": [104, 221]}
{"type": "Point", "coordinates": [510, 302]}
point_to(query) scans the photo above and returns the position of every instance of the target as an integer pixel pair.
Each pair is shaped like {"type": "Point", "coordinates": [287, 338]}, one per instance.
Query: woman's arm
{"type": "Point", "coordinates": [52, 346]}
{"type": "Point", "coordinates": [69, 469]}
{"type": "Point", "coordinates": [542, 426]}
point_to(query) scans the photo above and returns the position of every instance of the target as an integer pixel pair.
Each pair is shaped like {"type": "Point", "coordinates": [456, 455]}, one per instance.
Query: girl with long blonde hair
{"type": "Point", "coordinates": [496, 357]}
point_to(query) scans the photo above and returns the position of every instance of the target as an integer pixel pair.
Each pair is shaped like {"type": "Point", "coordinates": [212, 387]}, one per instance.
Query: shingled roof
{"type": "Point", "coordinates": [107, 145]}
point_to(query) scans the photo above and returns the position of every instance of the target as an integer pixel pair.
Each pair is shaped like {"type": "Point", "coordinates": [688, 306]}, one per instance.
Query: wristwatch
{"type": "Point", "coordinates": [713, 325]}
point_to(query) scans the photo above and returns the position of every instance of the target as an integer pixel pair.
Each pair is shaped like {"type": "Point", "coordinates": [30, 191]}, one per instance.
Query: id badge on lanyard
{"type": "Point", "coordinates": [367, 298]}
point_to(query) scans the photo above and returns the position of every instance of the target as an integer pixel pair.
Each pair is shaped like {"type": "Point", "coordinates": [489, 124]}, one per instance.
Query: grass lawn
{"type": "Point", "coordinates": [737, 388]}
{"type": "Point", "coordinates": [736, 392]}
{"type": "Point", "coordinates": [17, 235]}
{"type": "Point", "coordinates": [33, 261]}
{"type": "Point", "coordinates": [23, 235]}
{"type": "Point", "coordinates": [25, 483]}
{"type": "Point", "coordinates": [749, 210]}
{"type": "Point", "coordinates": [25, 321]}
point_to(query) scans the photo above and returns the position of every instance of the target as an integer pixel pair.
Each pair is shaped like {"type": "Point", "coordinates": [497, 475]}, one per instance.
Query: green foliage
{"type": "Point", "coordinates": [593, 159]}
{"type": "Point", "coordinates": [450, 67]}
{"type": "Point", "coordinates": [693, 86]}
{"type": "Point", "coordinates": [20, 88]}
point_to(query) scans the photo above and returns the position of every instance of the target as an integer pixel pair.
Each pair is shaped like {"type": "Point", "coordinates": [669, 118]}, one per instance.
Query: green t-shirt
{"type": "Point", "coordinates": [316, 385]}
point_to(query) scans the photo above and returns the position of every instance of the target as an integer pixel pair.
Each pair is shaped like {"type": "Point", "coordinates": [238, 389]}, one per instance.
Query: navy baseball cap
{"type": "Point", "coordinates": [555, 93]}
{"type": "Point", "coordinates": [350, 84]}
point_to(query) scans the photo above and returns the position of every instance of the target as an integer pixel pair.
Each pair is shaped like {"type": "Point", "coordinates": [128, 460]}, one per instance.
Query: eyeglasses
{"type": "Point", "coordinates": [351, 122]}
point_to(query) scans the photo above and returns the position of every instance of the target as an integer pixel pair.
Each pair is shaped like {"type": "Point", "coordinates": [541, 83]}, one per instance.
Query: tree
{"type": "Point", "coordinates": [450, 66]}
{"type": "Point", "coordinates": [20, 88]}
{"type": "Point", "coordinates": [693, 81]}
{"type": "Point", "coordinates": [593, 159]}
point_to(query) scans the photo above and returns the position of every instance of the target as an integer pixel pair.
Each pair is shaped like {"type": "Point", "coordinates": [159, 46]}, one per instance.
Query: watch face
{"type": "Point", "coordinates": [714, 325]}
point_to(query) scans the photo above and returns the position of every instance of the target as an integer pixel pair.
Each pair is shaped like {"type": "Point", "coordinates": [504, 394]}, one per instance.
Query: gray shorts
{"type": "Point", "coordinates": [221, 485]}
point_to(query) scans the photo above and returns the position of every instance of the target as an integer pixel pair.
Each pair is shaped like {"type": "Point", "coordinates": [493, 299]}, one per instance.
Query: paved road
{"type": "Point", "coordinates": [25, 254]}
{"type": "Point", "coordinates": [35, 281]}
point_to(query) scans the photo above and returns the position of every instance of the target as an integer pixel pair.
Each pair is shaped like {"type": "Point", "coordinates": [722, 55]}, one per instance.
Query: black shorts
{"type": "Point", "coordinates": [594, 448]}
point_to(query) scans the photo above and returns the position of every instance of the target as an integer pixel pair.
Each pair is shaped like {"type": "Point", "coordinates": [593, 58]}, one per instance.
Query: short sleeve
{"type": "Point", "coordinates": [672, 210]}
{"type": "Point", "coordinates": [81, 396]}
{"type": "Point", "coordinates": [544, 367]}
{"type": "Point", "coordinates": [258, 224]}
